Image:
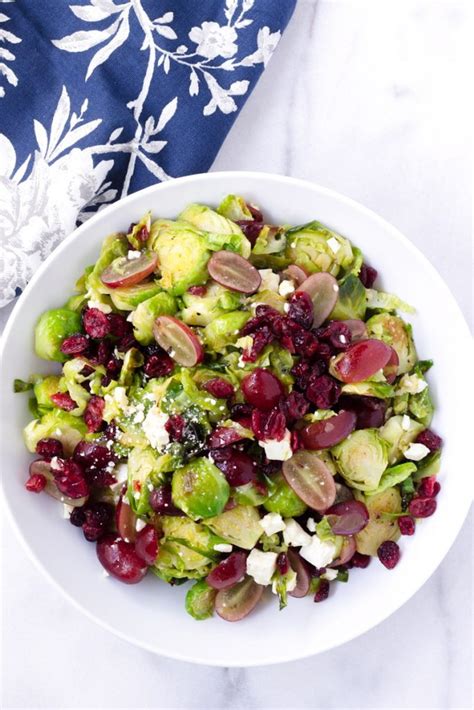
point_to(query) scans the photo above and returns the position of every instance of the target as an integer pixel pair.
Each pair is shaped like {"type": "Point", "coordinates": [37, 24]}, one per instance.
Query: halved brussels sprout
{"type": "Point", "coordinates": [202, 310]}
{"type": "Point", "coordinates": [43, 388]}
{"type": "Point", "coordinates": [163, 304]}
{"type": "Point", "coordinates": [269, 298]}
{"type": "Point", "coordinates": [182, 254]}
{"type": "Point", "coordinates": [225, 329]}
{"type": "Point", "coordinates": [200, 600]}
{"type": "Point", "coordinates": [127, 299]}
{"type": "Point", "coordinates": [182, 396]}
{"type": "Point", "coordinates": [186, 550]}
{"type": "Point", "coordinates": [283, 499]}
{"type": "Point", "coordinates": [65, 427]}
{"type": "Point", "coordinates": [315, 247]}
{"type": "Point", "coordinates": [200, 489]}
{"type": "Point", "coordinates": [395, 332]}
{"type": "Point", "coordinates": [380, 527]}
{"type": "Point", "coordinates": [399, 431]}
{"type": "Point", "coordinates": [378, 300]}
{"type": "Point", "coordinates": [220, 232]}
{"type": "Point", "coordinates": [51, 329]}
{"type": "Point", "coordinates": [429, 466]}
{"type": "Point", "coordinates": [271, 240]}
{"type": "Point", "coordinates": [72, 382]}
{"type": "Point", "coordinates": [369, 388]}
{"type": "Point", "coordinates": [144, 468]}
{"type": "Point", "coordinates": [393, 476]}
{"type": "Point", "coordinates": [362, 458]}
{"type": "Point", "coordinates": [239, 526]}
{"type": "Point", "coordinates": [113, 246]}
{"type": "Point", "coordinates": [351, 300]}
{"type": "Point", "coordinates": [235, 208]}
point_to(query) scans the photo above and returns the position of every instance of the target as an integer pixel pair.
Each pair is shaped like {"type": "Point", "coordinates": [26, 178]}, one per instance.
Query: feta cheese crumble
{"type": "Point", "coordinates": [333, 244]}
{"type": "Point", "coordinates": [311, 525]}
{"type": "Point", "coordinates": [318, 553]}
{"type": "Point", "coordinates": [244, 343]}
{"type": "Point", "coordinates": [416, 452]}
{"type": "Point", "coordinates": [294, 535]}
{"type": "Point", "coordinates": [278, 450]}
{"type": "Point", "coordinates": [67, 510]}
{"type": "Point", "coordinates": [140, 524]}
{"type": "Point", "coordinates": [272, 523]}
{"type": "Point", "coordinates": [154, 428]}
{"type": "Point", "coordinates": [133, 255]}
{"type": "Point", "coordinates": [411, 384]}
{"type": "Point", "coordinates": [406, 421]}
{"type": "Point", "coordinates": [270, 280]}
{"type": "Point", "coordinates": [223, 547]}
{"type": "Point", "coordinates": [330, 575]}
{"type": "Point", "coordinates": [261, 566]}
{"type": "Point", "coordinates": [118, 397]}
{"type": "Point", "coordinates": [286, 287]}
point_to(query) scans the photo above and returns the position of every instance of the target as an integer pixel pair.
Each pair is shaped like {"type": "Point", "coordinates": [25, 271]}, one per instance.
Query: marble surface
{"type": "Point", "coordinates": [366, 97]}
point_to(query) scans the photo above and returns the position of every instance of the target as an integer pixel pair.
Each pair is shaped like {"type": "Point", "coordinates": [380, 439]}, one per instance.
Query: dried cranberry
{"type": "Point", "coordinates": [70, 480]}
{"type": "Point", "coordinates": [97, 519]}
{"type": "Point", "coordinates": [301, 372]}
{"type": "Point", "coordinates": [159, 365]}
{"type": "Point", "coordinates": [63, 400]}
{"type": "Point", "coordinates": [75, 344]}
{"type": "Point", "coordinates": [406, 525]}
{"type": "Point", "coordinates": [36, 483]}
{"type": "Point", "coordinates": [359, 560]}
{"type": "Point", "coordinates": [368, 275]}
{"type": "Point", "coordinates": [47, 448]}
{"type": "Point", "coordinates": [295, 406]}
{"type": "Point", "coordinates": [241, 412]}
{"type": "Point", "coordinates": [430, 439]}
{"type": "Point", "coordinates": [295, 441]}
{"type": "Point", "coordinates": [427, 487]}
{"type": "Point", "coordinates": [175, 427]}
{"type": "Point", "coordinates": [118, 325]}
{"type": "Point", "coordinates": [113, 367]}
{"type": "Point", "coordinates": [197, 290]}
{"type": "Point", "coordinates": [337, 334]}
{"type": "Point", "coordinates": [237, 466]}
{"type": "Point", "coordinates": [94, 412]}
{"type": "Point", "coordinates": [93, 456]}
{"type": "Point", "coordinates": [260, 339]}
{"type": "Point", "coordinates": [389, 554]}
{"type": "Point", "coordinates": [126, 342]}
{"type": "Point", "coordinates": [323, 591]}
{"type": "Point", "coordinates": [268, 425]}
{"type": "Point", "coordinates": [161, 501]}
{"type": "Point", "coordinates": [102, 352]}
{"type": "Point", "coordinates": [422, 507]}
{"type": "Point", "coordinates": [323, 391]}
{"type": "Point", "coordinates": [95, 322]}
{"type": "Point", "coordinates": [78, 517]}
{"type": "Point", "coordinates": [223, 436]}
{"type": "Point", "coordinates": [301, 308]}
{"type": "Point", "coordinates": [282, 563]}
{"type": "Point", "coordinates": [222, 389]}
{"type": "Point", "coordinates": [251, 228]}
{"type": "Point", "coordinates": [370, 411]}
{"type": "Point", "coordinates": [87, 370]}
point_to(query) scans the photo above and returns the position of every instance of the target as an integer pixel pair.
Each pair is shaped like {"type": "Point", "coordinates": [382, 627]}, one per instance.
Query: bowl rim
{"type": "Point", "coordinates": [282, 180]}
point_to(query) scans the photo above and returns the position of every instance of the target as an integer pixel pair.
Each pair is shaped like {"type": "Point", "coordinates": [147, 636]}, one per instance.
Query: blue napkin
{"type": "Point", "coordinates": [101, 98]}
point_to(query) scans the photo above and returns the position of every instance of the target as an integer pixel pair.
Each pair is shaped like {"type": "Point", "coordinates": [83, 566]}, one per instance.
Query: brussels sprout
{"type": "Point", "coordinates": [351, 301]}
{"type": "Point", "coordinates": [281, 362]}
{"type": "Point", "coordinates": [421, 407]}
{"type": "Point", "coordinates": [225, 329]}
{"type": "Point", "coordinates": [127, 299]}
{"type": "Point", "coordinates": [200, 600]}
{"type": "Point", "coordinates": [202, 310]}
{"type": "Point", "coordinates": [65, 427]}
{"type": "Point", "coordinates": [269, 298]}
{"type": "Point", "coordinates": [358, 261]}
{"type": "Point", "coordinates": [429, 466]}
{"type": "Point", "coordinates": [249, 494]}
{"type": "Point", "coordinates": [362, 458]}
{"type": "Point", "coordinates": [395, 332]}
{"type": "Point", "coordinates": [143, 468]}
{"type": "Point", "coordinates": [76, 303]}
{"type": "Point", "coordinates": [186, 550]}
{"type": "Point", "coordinates": [380, 527]}
{"type": "Point", "coordinates": [283, 499]}
{"type": "Point", "coordinates": [182, 396]}
{"type": "Point", "coordinates": [43, 389]}
{"type": "Point", "coordinates": [182, 253]}
{"type": "Point", "coordinates": [72, 382]}
{"type": "Point", "coordinates": [146, 313]}
{"type": "Point", "coordinates": [393, 476]}
{"type": "Point", "coordinates": [132, 360]}
{"type": "Point", "coordinates": [271, 240]}
{"type": "Point", "coordinates": [113, 246]}
{"type": "Point", "coordinates": [200, 489]}
{"type": "Point", "coordinates": [239, 526]}
{"type": "Point", "coordinates": [399, 432]}
{"type": "Point", "coordinates": [378, 300]}
{"type": "Point", "coordinates": [235, 208]}
{"type": "Point", "coordinates": [219, 232]}
{"type": "Point", "coordinates": [50, 331]}
{"type": "Point", "coordinates": [315, 247]}
{"type": "Point", "coordinates": [143, 224]}
{"type": "Point", "coordinates": [382, 390]}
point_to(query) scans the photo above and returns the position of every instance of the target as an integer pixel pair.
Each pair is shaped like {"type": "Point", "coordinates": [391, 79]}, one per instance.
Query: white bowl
{"type": "Point", "coordinates": [152, 614]}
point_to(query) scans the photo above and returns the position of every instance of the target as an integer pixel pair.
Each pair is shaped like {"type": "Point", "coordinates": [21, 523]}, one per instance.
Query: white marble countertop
{"type": "Point", "coordinates": [366, 97]}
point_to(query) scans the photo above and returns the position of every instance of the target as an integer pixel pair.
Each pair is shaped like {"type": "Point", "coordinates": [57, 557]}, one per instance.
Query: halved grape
{"type": "Point", "coordinates": [234, 272]}
{"type": "Point", "coordinates": [228, 572]}
{"type": "Point", "coordinates": [125, 520]}
{"type": "Point", "coordinates": [178, 340]}
{"type": "Point", "coordinates": [323, 290]}
{"type": "Point", "coordinates": [347, 552]}
{"type": "Point", "coordinates": [361, 360]}
{"type": "Point", "coordinates": [296, 274]}
{"type": "Point", "coordinates": [303, 575]}
{"type": "Point", "coordinates": [348, 518]}
{"type": "Point", "coordinates": [328, 432]}
{"type": "Point", "coordinates": [128, 272]}
{"type": "Point", "coordinates": [391, 368]}
{"type": "Point", "coordinates": [235, 603]}
{"type": "Point", "coordinates": [358, 329]}
{"type": "Point", "coordinates": [146, 544]}
{"type": "Point", "coordinates": [311, 479]}
{"type": "Point", "coordinates": [44, 469]}
{"type": "Point", "coordinates": [120, 559]}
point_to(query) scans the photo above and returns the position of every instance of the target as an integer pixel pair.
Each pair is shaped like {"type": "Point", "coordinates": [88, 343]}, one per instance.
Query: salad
{"type": "Point", "coordinates": [235, 404]}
